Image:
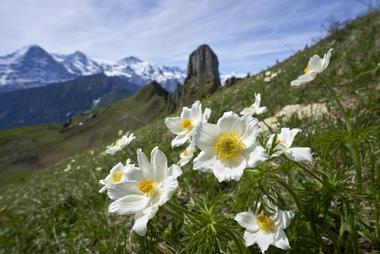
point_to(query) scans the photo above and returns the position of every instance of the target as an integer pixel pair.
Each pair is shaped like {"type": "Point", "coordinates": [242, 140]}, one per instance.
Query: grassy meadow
{"type": "Point", "coordinates": [59, 209]}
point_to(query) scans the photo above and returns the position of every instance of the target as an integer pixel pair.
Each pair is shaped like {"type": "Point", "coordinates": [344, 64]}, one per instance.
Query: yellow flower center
{"type": "Point", "coordinates": [306, 70]}
{"type": "Point", "coordinates": [117, 143]}
{"type": "Point", "coordinates": [116, 176]}
{"type": "Point", "coordinates": [279, 142]}
{"type": "Point", "coordinates": [265, 223]}
{"type": "Point", "coordinates": [185, 153]}
{"type": "Point", "coordinates": [187, 124]}
{"type": "Point", "coordinates": [148, 186]}
{"type": "Point", "coordinates": [228, 146]}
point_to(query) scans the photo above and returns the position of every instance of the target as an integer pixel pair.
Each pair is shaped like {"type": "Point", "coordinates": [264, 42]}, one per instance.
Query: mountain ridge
{"type": "Point", "coordinates": [33, 66]}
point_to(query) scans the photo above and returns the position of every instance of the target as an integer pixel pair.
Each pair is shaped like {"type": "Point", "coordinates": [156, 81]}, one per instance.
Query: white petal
{"type": "Point", "coordinates": [142, 218]}
{"type": "Point", "coordinates": [186, 113]}
{"type": "Point", "coordinates": [256, 155]}
{"type": "Point", "coordinates": [240, 125]}
{"type": "Point", "coordinates": [315, 64]}
{"type": "Point", "coordinates": [140, 226]}
{"type": "Point", "coordinates": [196, 111]}
{"type": "Point", "coordinates": [251, 132]}
{"type": "Point", "coordinates": [264, 240]}
{"type": "Point", "coordinates": [168, 189]}
{"type": "Point", "coordinates": [133, 174]}
{"type": "Point", "coordinates": [326, 59]}
{"type": "Point", "coordinates": [159, 163]}
{"type": "Point", "coordinates": [250, 238]}
{"type": "Point", "coordinates": [174, 171]}
{"type": "Point", "coordinates": [282, 219]}
{"type": "Point", "coordinates": [247, 220]}
{"type": "Point", "coordinates": [261, 110]}
{"type": "Point", "coordinates": [174, 124]}
{"type": "Point", "coordinates": [287, 135]}
{"type": "Point", "coordinates": [206, 114]}
{"type": "Point", "coordinates": [257, 100]}
{"type": "Point", "coordinates": [227, 120]}
{"type": "Point", "coordinates": [123, 189]}
{"type": "Point", "coordinates": [281, 240]}
{"type": "Point", "coordinates": [129, 204]}
{"type": "Point", "coordinates": [204, 162]}
{"type": "Point", "coordinates": [248, 111]}
{"type": "Point", "coordinates": [231, 170]}
{"type": "Point", "coordinates": [299, 154]}
{"type": "Point", "coordinates": [145, 166]}
{"type": "Point", "coordinates": [180, 139]}
{"type": "Point", "coordinates": [303, 79]}
{"type": "Point", "coordinates": [205, 136]}
{"type": "Point", "coordinates": [117, 167]}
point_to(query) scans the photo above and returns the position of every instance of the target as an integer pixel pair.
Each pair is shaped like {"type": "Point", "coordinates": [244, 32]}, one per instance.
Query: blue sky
{"type": "Point", "coordinates": [247, 35]}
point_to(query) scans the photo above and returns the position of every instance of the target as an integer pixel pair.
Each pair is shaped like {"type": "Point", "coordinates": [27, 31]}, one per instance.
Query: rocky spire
{"type": "Point", "coordinates": [202, 76]}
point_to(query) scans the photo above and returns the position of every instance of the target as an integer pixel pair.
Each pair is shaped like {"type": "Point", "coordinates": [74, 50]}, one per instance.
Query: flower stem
{"type": "Point", "coordinates": [239, 244]}
{"type": "Point", "coordinates": [187, 211]}
{"type": "Point", "coordinates": [352, 145]}
{"type": "Point", "coordinates": [269, 128]}
{"type": "Point", "coordinates": [291, 192]}
{"type": "Point", "coordinates": [308, 171]}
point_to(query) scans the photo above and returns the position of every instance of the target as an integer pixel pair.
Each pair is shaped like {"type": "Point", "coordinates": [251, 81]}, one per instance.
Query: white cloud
{"type": "Point", "coordinates": [247, 35]}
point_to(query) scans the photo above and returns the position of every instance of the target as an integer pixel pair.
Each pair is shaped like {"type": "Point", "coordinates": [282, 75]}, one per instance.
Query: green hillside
{"type": "Point", "coordinates": [61, 211]}
{"type": "Point", "coordinates": [24, 150]}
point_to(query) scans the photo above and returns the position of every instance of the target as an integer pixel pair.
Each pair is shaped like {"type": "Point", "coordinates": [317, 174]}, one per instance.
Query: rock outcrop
{"type": "Point", "coordinates": [202, 76]}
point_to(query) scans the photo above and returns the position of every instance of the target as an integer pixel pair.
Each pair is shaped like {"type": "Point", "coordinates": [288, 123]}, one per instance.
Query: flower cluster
{"type": "Point", "coordinates": [141, 190]}
{"type": "Point", "coordinates": [226, 149]}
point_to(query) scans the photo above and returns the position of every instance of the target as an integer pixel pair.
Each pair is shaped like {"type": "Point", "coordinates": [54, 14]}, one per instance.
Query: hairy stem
{"type": "Point", "coordinates": [291, 192]}
{"type": "Point", "coordinates": [352, 145]}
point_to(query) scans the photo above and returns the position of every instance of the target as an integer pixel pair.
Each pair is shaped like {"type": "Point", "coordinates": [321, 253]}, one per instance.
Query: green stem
{"type": "Point", "coordinates": [308, 171]}
{"type": "Point", "coordinates": [269, 128]}
{"type": "Point", "coordinates": [188, 212]}
{"type": "Point", "coordinates": [291, 192]}
{"type": "Point", "coordinates": [352, 145]}
{"type": "Point", "coordinates": [242, 248]}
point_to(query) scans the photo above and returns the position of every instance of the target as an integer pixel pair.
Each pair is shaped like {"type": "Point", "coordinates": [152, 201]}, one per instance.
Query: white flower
{"type": "Point", "coordinates": [255, 108]}
{"type": "Point", "coordinates": [265, 230]}
{"type": "Point", "coordinates": [228, 147]}
{"type": "Point", "coordinates": [267, 73]}
{"type": "Point", "coordinates": [68, 168]}
{"type": "Point", "coordinates": [274, 74]}
{"type": "Point", "coordinates": [187, 154]}
{"type": "Point", "coordinates": [116, 175]}
{"type": "Point", "coordinates": [316, 65]}
{"type": "Point", "coordinates": [185, 125]}
{"type": "Point", "coordinates": [267, 79]}
{"type": "Point", "coordinates": [283, 145]}
{"type": "Point", "coordinates": [144, 189]}
{"type": "Point", "coordinates": [120, 143]}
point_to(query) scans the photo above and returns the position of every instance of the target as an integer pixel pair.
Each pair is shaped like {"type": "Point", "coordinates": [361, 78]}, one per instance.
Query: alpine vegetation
{"type": "Point", "coordinates": [232, 149]}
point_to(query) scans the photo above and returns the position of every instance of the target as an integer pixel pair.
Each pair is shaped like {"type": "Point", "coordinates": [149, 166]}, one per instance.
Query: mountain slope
{"type": "Point", "coordinates": [28, 148]}
{"type": "Point", "coordinates": [64, 199]}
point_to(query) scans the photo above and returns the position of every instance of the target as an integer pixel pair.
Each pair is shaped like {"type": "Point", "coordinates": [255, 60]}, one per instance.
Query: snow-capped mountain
{"type": "Point", "coordinates": [79, 64]}
{"type": "Point", "coordinates": [141, 72]}
{"type": "Point", "coordinates": [33, 66]}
